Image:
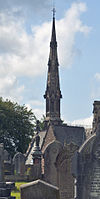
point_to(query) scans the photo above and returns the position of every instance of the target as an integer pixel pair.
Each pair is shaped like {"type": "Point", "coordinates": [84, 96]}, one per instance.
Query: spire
{"type": "Point", "coordinates": [53, 93]}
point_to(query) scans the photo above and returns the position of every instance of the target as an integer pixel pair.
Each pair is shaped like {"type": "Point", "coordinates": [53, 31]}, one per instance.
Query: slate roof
{"type": "Point", "coordinates": [62, 133]}
{"type": "Point", "coordinates": [68, 134]}
{"type": "Point", "coordinates": [30, 149]}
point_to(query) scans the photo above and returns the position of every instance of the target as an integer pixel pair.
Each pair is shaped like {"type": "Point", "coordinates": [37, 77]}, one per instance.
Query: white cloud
{"type": "Point", "coordinates": [86, 122]}
{"type": "Point", "coordinates": [67, 29]}
{"type": "Point", "coordinates": [26, 54]}
{"type": "Point", "coordinates": [9, 88]}
{"type": "Point", "coordinates": [97, 76]}
{"type": "Point", "coordinates": [36, 103]}
{"type": "Point", "coordinates": [37, 108]}
{"type": "Point", "coordinates": [23, 54]}
{"type": "Point", "coordinates": [38, 112]}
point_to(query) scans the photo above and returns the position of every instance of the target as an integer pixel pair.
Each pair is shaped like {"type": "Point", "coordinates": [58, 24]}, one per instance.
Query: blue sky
{"type": "Point", "coordinates": [25, 31]}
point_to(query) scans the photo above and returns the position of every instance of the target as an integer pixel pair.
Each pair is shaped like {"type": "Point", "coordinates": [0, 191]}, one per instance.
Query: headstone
{"type": "Point", "coordinates": [64, 172]}
{"type": "Point", "coordinates": [8, 166]}
{"type": "Point", "coordinates": [95, 174]}
{"type": "Point", "coordinates": [88, 181]}
{"type": "Point", "coordinates": [4, 189]}
{"type": "Point", "coordinates": [50, 155]}
{"type": "Point", "coordinates": [1, 162]}
{"type": "Point", "coordinates": [6, 156]}
{"type": "Point", "coordinates": [39, 190]}
{"type": "Point", "coordinates": [95, 182]}
{"type": "Point", "coordinates": [19, 164]}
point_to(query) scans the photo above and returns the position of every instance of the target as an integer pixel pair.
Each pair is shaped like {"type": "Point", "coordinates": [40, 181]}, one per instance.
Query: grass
{"type": "Point", "coordinates": [16, 191]}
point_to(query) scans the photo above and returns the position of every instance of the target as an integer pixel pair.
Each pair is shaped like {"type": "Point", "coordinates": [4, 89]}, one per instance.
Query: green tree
{"type": "Point", "coordinates": [17, 125]}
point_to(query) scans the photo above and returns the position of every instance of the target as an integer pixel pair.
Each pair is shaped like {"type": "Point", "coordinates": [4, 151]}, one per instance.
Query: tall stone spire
{"type": "Point", "coordinates": [53, 93]}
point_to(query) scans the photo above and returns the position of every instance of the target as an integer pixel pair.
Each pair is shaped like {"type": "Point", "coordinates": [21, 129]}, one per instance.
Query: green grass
{"type": "Point", "coordinates": [16, 191]}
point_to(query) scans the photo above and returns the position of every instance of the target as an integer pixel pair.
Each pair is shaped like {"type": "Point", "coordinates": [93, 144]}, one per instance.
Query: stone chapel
{"type": "Point", "coordinates": [64, 156]}
{"type": "Point", "coordinates": [52, 150]}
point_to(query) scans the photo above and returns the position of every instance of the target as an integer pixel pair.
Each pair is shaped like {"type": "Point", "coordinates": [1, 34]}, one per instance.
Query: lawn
{"type": "Point", "coordinates": [16, 191]}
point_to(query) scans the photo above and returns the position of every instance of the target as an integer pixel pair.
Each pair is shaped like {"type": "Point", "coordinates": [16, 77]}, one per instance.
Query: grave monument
{"type": "Point", "coordinates": [5, 189]}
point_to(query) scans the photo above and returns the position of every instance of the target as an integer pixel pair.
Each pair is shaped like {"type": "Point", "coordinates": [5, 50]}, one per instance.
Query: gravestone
{"type": "Point", "coordinates": [19, 163]}
{"type": "Point", "coordinates": [65, 180]}
{"type": "Point", "coordinates": [95, 174]}
{"type": "Point", "coordinates": [7, 156]}
{"type": "Point", "coordinates": [39, 190]}
{"type": "Point", "coordinates": [50, 154]}
{"type": "Point", "coordinates": [1, 163]}
{"type": "Point", "coordinates": [4, 189]}
{"type": "Point", "coordinates": [88, 181]}
{"type": "Point", "coordinates": [8, 166]}
{"type": "Point", "coordinates": [95, 182]}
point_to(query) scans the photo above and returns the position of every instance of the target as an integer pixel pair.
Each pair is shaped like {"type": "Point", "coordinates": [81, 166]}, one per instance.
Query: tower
{"type": "Point", "coordinates": [53, 93]}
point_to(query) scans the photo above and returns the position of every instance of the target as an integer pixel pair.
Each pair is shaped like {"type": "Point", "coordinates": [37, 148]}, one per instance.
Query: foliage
{"type": "Point", "coordinates": [16, 191]}
{"type": "Point", "coordinates": [16, 126]}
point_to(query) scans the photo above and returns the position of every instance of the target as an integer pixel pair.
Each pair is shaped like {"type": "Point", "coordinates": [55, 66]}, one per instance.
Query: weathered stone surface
{"type": "Point", "coordinates": [65, 180]}
{"type": "Point", "coordinates": [39, 190]}
{"type": "Point", "coordinates": [19, 163]}
{"type": "Point", "coordinates": [1, 162]}
{"type": "Point", "coordinates": [4, 190]}
{"type": "Point", "coordinates": [88, 181]}
{"type": "Point", "coordinates": [50, 155]}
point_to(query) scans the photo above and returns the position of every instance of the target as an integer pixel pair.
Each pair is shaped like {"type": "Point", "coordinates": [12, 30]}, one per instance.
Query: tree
{"type": "Point", "coordinates": [17, 125]}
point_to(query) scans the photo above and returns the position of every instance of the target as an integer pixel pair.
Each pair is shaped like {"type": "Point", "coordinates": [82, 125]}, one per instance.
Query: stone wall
{"type": "Point", "coordinates": [49, 138]}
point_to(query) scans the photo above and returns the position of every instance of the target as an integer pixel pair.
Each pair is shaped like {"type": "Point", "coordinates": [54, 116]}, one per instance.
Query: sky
{"type": "Point", "coordinates": [25, 32]}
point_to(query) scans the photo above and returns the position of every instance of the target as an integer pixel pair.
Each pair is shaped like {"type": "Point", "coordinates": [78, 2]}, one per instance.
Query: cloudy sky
{"type": "Point", "coordinates": [25, 31]}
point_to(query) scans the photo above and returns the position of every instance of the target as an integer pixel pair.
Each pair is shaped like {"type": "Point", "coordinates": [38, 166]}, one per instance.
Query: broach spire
{"type": "Point", "coordinates": [53, 93]}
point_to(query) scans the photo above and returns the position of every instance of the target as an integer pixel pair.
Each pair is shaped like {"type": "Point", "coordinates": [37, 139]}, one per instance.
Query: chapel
{"type": "Point", "coordinates": [54, 147]}
{"type": "Point", "coordinates": [61, 157]}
